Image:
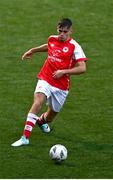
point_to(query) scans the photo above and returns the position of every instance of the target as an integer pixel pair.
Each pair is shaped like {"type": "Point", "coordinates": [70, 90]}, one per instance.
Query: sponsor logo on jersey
{"type": "Point", "coordinates": [56, 52]}
{"type": "Point", "coordinates": [53, 59]}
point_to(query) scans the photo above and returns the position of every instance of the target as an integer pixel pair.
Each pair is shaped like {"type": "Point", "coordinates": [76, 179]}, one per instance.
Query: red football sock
{"type": "Point", "coordinates": [29, 125]}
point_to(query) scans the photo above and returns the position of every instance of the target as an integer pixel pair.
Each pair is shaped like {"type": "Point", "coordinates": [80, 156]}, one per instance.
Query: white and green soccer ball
{"type": "Point", "coordinates": [58, 153]}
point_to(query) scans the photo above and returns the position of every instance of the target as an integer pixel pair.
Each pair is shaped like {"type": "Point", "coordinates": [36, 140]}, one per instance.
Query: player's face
{"type": "Point", "coordinates": [64, 33]}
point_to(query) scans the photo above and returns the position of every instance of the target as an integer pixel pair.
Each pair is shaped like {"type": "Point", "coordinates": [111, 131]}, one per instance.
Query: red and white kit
{"type": "Point", "coordinates": [61, 55]}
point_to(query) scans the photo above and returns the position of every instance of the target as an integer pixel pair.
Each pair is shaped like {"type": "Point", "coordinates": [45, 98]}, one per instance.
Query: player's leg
{"type": "Point", "coordinates": [47, 116]}
{"type": "Point", "coordinates": [50, 114]}
{"type": "Point", "coordinates": [39, 99]}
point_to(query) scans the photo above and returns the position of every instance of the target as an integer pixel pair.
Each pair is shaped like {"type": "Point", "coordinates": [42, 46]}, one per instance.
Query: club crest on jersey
{"type": "Point", "coordinates": [65, 49]}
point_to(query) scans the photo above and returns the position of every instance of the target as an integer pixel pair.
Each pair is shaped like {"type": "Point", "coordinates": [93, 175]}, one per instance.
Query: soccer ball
{"type": "Point", "coordinates": [58, 153]}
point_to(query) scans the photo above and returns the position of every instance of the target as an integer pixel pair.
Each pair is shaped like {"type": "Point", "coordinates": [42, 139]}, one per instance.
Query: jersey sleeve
{"type": "Point", "coordinates": [79, 54]}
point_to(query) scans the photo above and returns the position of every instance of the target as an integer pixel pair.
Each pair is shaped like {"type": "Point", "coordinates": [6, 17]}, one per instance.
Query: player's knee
{"type": "Point", "coordinates": [37, 104]}
{"type": "Point", "coordinates": [38, 100]}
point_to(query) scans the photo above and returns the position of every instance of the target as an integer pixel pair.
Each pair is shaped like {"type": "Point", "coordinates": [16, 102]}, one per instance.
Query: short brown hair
{"type": "Point", "coordinates": [64, 22]}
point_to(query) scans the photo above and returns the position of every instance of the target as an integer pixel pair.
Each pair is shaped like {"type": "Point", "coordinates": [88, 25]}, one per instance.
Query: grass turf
{"type": "Point", "coordinates": [85, 124]}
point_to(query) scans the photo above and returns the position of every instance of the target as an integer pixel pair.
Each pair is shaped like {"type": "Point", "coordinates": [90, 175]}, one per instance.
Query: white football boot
{"type": "Point", "coordinates": [20, 142]}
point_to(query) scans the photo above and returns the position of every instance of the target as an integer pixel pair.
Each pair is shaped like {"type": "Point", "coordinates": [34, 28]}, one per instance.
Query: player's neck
{"type": "Point", "coordinates": [66, 39]}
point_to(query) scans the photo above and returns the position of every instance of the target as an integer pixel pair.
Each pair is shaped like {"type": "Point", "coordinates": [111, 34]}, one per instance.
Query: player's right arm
{"type": "Point", "coordinates": [30, 52]}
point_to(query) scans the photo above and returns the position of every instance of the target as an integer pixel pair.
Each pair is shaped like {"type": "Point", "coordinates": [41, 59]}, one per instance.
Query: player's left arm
{"type": "Point", "coordinates": [78, 69]}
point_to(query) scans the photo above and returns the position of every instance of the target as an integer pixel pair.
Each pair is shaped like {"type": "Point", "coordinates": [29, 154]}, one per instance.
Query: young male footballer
{"type": "Point", "coordinates": [65, 58]}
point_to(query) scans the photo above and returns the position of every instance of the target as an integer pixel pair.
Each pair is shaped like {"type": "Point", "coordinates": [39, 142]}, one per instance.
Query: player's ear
{"type": "Point", "coordinates": [58, 29]}
{"type": "Point", "coordinates": [71, 30]}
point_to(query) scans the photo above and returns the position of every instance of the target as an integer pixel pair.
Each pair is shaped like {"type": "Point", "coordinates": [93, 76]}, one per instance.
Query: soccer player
{"type": "Point", "coordinates": [65, 58]}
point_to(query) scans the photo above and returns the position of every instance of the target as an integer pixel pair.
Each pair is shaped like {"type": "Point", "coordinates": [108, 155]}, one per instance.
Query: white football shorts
{"type": "Point", "coordinates": [55, 96]}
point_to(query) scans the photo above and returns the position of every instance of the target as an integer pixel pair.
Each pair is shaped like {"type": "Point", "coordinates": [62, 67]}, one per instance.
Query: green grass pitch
{"type": "Point", "coordinates": [85, 124]}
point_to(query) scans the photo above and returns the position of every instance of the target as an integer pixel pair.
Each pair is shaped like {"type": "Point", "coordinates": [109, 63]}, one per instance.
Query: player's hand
{"type": "Point", "coordinates": [27, 55]}
{"type": "Point", "coordinates": [58, 74]}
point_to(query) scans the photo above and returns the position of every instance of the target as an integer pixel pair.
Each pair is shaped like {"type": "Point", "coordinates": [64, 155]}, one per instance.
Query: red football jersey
{"type": "Point", "coordinates": [61, 55]}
